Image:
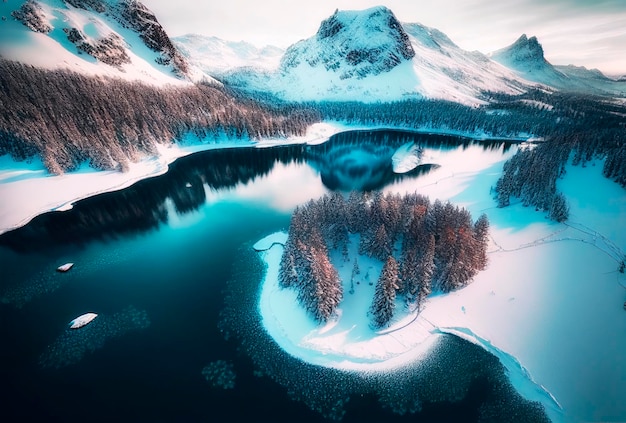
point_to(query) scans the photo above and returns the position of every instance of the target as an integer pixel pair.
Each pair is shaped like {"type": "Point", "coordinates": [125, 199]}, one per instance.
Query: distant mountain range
{"type": "Point", "coordinates": [370, 56]}
{"type": "Point", "coordinates": [525, 56]}
{"type": "Point", "coordinates": [363, 55]}
{"type": "Point", "coordinates": [215, 56]}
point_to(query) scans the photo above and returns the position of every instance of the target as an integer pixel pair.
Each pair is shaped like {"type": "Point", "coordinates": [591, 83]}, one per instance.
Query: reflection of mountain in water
{"type": "Point", "coordinates": [362, 160]}
{"type": "Point", "coordinates": [359, 160]}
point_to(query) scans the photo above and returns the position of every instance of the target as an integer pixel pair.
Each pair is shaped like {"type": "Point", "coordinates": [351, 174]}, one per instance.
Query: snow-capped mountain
{"type": "Point", "coordinates": [370, 56]}
{"type": "Point", "coordinates": [121, 38]}
{"type": "Point", "coordinates": [526, 57]}
{"type": "Point", "coordinates": [353, 44]}
{"type": "Point", "coordinates": [215, 56]}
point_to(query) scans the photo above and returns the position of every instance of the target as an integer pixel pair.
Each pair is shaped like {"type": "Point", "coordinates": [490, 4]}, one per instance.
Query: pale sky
{"type": "Point", "coordinates": [590, 33]}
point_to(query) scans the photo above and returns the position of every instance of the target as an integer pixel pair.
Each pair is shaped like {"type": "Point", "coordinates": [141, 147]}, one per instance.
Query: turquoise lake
{"type": "Point", "coordinates": [168, 265]}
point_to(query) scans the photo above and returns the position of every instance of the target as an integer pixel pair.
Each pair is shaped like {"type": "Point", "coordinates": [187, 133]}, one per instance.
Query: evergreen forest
{"type": "Point", "coordinates": [423, 246]}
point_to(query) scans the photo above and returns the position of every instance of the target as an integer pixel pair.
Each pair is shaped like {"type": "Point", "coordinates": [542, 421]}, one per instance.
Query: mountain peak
{"type": "Point", "coordinates": [376, 18]}
{"type": "Point", "coordinates": [354, 43]}
{"type": "Point", "coordinates": [524, 49]}
{"type": "Point", "coordinates": [524, 54]}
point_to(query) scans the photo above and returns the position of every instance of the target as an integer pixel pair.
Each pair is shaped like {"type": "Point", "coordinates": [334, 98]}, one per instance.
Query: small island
{"type": "Point", "coordinates": [412, 248]}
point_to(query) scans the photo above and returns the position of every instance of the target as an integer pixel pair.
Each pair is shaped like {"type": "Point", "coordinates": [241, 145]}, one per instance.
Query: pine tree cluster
{"type": "Point", "coordinates": [531, 176]}
{"type": "Point", "coordinates": [423, 246]}
{"type": "Point", "coordinates": [68, 119]}
{"type": "Point", "coordinates": [585, 128]}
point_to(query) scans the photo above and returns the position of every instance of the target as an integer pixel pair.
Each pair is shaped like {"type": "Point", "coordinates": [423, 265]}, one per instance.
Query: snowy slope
{"type": "Point", "coordinates": [370, 56]}
{"type": "Point", "coordinates": [120, 38]}
{"type": "Point", "coordinates": [526, 57]}
{"type": "Point", "coordinates": [215, 56]}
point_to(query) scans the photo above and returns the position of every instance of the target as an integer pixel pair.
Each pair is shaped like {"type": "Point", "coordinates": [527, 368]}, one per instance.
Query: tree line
{"type": "Point", "coordinates": [143, 206]}
{"type": "Point", "coordinates": [423, 246]}
{"type": "Point", "coordinates": [574, 126]}
{"type": "Point", "coordinates": [69, 119]}
{"type": "Point", "coordinates": [589, 128]}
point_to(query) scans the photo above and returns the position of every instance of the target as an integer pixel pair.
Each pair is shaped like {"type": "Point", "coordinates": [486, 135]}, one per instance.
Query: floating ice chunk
{"type": "Point", "coordinates": [83, 320]}
{"type": "Point", "coordinates": [65, 267]}
{"type": "Point", "coordinates": [71, 346]}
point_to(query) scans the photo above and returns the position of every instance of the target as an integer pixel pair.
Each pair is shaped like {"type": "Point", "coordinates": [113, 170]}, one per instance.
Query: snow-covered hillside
{"type": "Point", "coordinates": [120, 38]}
{"type": "Point", "coordinates": [526, 57]}
{"type": "Point", "coordinates": [214, 56]}
{"type": "Point", "coordinates": [370, 56]}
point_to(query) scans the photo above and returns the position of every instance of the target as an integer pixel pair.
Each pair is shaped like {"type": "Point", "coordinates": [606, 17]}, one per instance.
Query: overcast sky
{"type": "Point", "coordinates": [589, 33]}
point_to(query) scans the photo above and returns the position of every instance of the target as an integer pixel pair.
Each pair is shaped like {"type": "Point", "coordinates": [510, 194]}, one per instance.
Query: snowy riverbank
{"type": "Point", "coordinates": [549, 305]}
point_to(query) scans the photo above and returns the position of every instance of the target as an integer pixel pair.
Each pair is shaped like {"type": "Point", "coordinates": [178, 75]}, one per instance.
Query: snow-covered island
{"type": "Point", "coordinates": [537, 290]}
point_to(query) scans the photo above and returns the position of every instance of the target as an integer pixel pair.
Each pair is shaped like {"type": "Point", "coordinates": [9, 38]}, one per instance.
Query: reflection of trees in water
{"type": "Point", "coordinates": [143, 206]}
{"type": "Point", "coordinates": [361, 160]}
{"type": "Point", "coordinates": [395, 138]}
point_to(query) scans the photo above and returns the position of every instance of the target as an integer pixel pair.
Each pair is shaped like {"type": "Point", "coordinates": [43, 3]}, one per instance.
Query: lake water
{"type": "Point", "coordinates": [168, 265]}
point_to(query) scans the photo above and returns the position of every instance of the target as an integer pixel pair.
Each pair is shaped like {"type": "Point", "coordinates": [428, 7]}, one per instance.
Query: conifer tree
{"type": "Point", "coordinates": [383, 305]}
{"type": "Point", "coordinates": [481, 237]}
{"type": "Point", "coordinates": [326, 288]}
{"type": "Point", "coordinates": [287, 274]}
{"type": "Point", "coordinates": [381, 246]}
{"type": "Point", "coordinates": [559, 209]}
{"type": "Point", "coordinates": [355, 268]}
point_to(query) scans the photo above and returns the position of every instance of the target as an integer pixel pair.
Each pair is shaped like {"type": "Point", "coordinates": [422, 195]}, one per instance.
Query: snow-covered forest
{"type": "Point", "coordinates": [531, 174]}
{"type": "Point", "coordinates": [424, 247]}
{"type": "Point", "coordinates": [68, 119]}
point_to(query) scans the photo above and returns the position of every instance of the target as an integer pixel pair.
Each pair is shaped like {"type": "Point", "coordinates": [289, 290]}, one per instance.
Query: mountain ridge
{"type": "Point", "coordinates": [214, 55]}
{"type": "Point", "coordinates": [120, 38]}
{"type": "Point", "coordinates": [370, 56]}
{"type": "Point", "coordinates": [526, 57]}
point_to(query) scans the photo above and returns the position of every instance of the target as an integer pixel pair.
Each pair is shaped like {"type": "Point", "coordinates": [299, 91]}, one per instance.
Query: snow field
{"type": "Point", "coordinates": [55, 51]}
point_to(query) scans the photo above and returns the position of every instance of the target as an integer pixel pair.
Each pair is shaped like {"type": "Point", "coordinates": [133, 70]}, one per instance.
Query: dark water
{"type": "Point", "coordinates": [168, 266]}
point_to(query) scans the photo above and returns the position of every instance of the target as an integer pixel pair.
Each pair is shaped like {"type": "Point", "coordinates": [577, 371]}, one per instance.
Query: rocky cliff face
{"type": "Point", "coordinates": [109, 49]}
{"type": "Point", "coordinates": [525, 53]}
{"type": "Point", "coordinates": [108, 46]}
{"type": "Point", "coordinates": [136, 16]}
{"type": "Point", "coordinates": [355, 44]}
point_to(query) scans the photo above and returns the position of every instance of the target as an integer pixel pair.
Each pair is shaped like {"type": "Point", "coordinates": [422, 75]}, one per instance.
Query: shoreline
{"type": "Point", "coordinates": [49, 193]}
{"type": "Point", "coordinates": [407, 341]}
